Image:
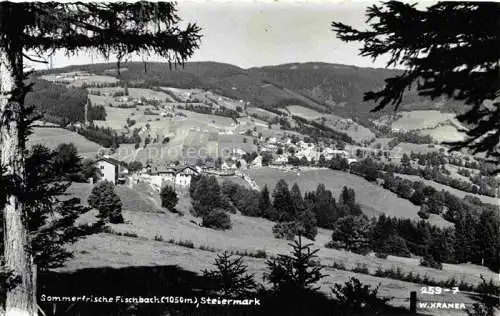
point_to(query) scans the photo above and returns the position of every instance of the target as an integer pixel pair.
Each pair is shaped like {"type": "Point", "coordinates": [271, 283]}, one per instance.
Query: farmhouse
{"type": "Point", "coordinates": [228, 166]}
{"type": "Point", "coordinates": [257, 162]}
{"type": "Point", "coordinates": [238, 152]}
{"type": "Point", "coordinates": [280, 160]}
{"type": "Point", "coordinates": [178, 176]}
{"type": "Point", "coordinates": [110, 169]}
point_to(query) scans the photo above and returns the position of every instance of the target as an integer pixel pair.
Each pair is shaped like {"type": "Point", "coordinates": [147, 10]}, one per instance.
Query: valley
{"type": "Point", "coordinates": [255, 128]}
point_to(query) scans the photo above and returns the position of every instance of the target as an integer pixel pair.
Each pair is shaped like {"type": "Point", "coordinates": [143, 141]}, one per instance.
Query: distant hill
{"type": "Point", "coordinates": [330, 88]}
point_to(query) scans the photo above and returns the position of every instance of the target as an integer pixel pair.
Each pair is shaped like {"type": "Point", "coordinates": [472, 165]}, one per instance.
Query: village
{"type": "Point", "coordinates": [273, 153]}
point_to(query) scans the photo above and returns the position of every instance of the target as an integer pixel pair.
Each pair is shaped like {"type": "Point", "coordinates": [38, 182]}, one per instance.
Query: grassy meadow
{"type": "Point", "coordinates": [149, 229]}
{"type": "Point", "coordinates": [374, 199]}
{"type": "Point", "coordinates": [52, 137]}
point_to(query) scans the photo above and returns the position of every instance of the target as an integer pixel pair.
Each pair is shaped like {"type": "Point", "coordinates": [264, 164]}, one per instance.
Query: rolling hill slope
{"type": "Point", "coordinates": [330, 88]}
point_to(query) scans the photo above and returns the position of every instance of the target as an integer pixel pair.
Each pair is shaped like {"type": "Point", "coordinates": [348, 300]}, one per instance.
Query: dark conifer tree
{"type": "Point", "coordinates": [322, 205]}
{"type": "Point", "coordinates": [405, 161]}
{"type": "Point", "coordinates": [230, 277]}
{"type": "Point", "coordinates": [297, 200]}
{"type": "Point", "coordinates": [295, 273]}
{"type": "Point", "coordinates": [41, 28]}
{"type": "Point", "coordinates": [449, 49]}
{"type": "Point", "coordinates": [264, 200]}
{"type": "Point", "coordinates": [51, 216]}
{"type": "Point", "coordinates": [348, 196]}
{"type": "Point", "coordinates": [488, 239]}
{"type": "Point", "coordinates": [465, 234]}
{"type": "Point", "coordinates": [351, 233]}
{"type": "Point", "coordinates": [282, 202]}
{"type": "Point", "coordinates": [104, 198]}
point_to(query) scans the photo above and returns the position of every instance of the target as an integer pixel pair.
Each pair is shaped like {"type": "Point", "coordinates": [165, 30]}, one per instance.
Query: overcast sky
{"type": "Point", "coordinates": [258, 33]}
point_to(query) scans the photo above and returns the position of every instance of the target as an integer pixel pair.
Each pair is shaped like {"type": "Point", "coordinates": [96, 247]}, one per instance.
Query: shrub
{"type": "Point", "coordinates": [358, 298]}
{"type": "Point", "coordinates": [217, 219]}
{"type": "Point", "coordinates": [361, 268]}
{"type": "Point", "coordinates": [379, 272]}
{"type": "Point", "coordinates": [260, 254]}
{"type": "Point", "coordinates": [169, 198]}
{"type": "Point", "coordinates": [285, 230]}
{"type": "Point", "coordinates": [489, 299]}
{"type": "Point", "coordinates": [185, 243]}
{"type": "Point", "coordinates": [338, 266]}
{"type": "Point", "coordinates": [381, 255]}
{"type": "Point", "coordinates": [129, 234]}
{"type": "Point", "coordinates": [134, 166]}
{"type": "Point", "coordinates": [230, 278]}
{"type": "Point", "coordinates": [488, 287]}
{"type": "Point", "coordinates": [429, 261]}
{"type": "Point", "coordinates": [158, 237]}
{"type": "Point", "coordinates": [481, 310]}
{"type": "Point", "coordinates": [423, 214]}
{"type": "Point", "coordinates": [207, 248]}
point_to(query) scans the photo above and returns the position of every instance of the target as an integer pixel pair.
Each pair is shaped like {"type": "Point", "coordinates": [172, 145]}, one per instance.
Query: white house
{"type": "Point", "coordinates": [257, 162]}
{"type": "Point", "coordinates": [282, 159]}
{"type": "Point", "coordinates": [228, 166]}
{"type": "Point", "coordinates": [238, 152]}
{"type": "Point", "coordinates": [351, 160]}
{"type": "Point", "coordinates": [110, 169]}
{"type": "Point", "coordinates": [184, 175]}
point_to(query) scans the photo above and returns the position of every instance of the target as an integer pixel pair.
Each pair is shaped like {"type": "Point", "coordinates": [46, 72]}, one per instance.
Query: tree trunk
{"type": "Point", "coordinates": [20, 300]}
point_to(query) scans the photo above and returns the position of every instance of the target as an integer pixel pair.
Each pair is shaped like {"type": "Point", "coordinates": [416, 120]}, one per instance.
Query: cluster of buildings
{"type": "Point", "coordinates": [116, 172]}
{"type": "Point", "coordinates": [277, 152]}
{"type": "Point", "coordinates": [283, 150]}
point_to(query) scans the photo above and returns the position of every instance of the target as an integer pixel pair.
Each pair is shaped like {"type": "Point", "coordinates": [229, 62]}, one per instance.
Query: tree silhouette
{"type": "Point", "coordinates": [298, 272]}
{"type": "Point", "coordinates": [230, 276]}
{"type": "Point", "coordinates": [450, 49]}
{"type": "Point", "coordinates": [282, 202]}
{"type": "Point", "coordinates": [32, 30]}
{"type": "Point", "coordinates": [104, 198]}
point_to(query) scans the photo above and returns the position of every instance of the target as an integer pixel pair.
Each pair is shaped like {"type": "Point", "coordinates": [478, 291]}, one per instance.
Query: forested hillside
{"type": "Point", "coordinates": [325, 87]}
{"type": "Point", "coordinates": [57, 103]}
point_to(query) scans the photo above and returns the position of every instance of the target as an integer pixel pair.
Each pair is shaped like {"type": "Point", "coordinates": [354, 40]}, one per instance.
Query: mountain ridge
{"type": "Point", "coordinates": [325, 87]}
